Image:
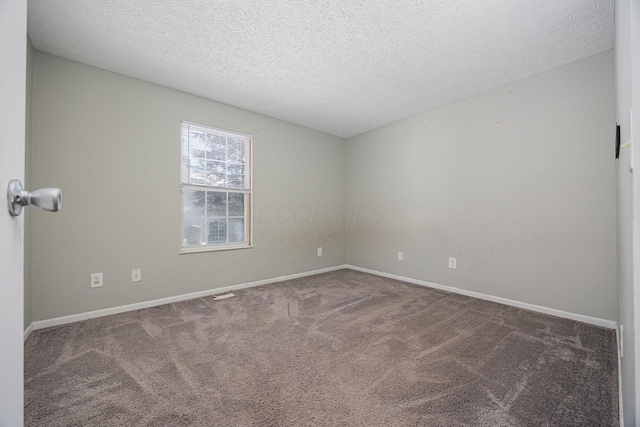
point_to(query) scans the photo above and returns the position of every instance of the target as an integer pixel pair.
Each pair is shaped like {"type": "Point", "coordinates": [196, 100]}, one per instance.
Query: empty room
{"type": "Point", "coordinates": [319, 213]}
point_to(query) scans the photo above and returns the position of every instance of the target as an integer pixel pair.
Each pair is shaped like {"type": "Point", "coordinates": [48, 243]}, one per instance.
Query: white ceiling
{"type": "Point", "coordinates": [339, 66]}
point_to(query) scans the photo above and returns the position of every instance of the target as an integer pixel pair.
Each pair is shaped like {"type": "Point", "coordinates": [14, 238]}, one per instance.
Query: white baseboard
{"type": "Point", "coordinates": [41, 324]}
{"type": "Point", "coordinates": [611, 324]}
{"type": "Point", "coordinates": [27, 331]}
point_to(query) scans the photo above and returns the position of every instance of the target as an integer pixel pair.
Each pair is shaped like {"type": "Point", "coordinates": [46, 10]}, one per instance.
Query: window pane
{"type": "Point", "coordinates": [216, 147]}
{"type": "Point", "coordinates": [235, 181]}
{"type": "Point", "coordinates": [193, 217]}
{"type": "Point", "coordinates": [193, 231]}
{"type": "Point", "coordinates": [236, 150]}
{"type": "Point", "coordinates": [196, 144]}
{"type": "Point", "coordinates": [193, 203]}
{"type": "Point", "coordinates": [216, 174]}
{"type": "Point", "coordinates": [184, 157]}
{"type": "Point", "coordinates": [217, 231]}
{"type": "Point", "coordinates": [235, 169]}
{"type": "Point", "coordinates": [216, 203]}
{"type": "Point", "coordinates": [235, 176]}
{"type": "Point", "coordinates": [196, 171]}
{"type": "Point", "coordinates": [236, 204]}
{"type": "Point", "coordinates": [184, 170]}
{"type": "Point", "coordinates": [236, 230]}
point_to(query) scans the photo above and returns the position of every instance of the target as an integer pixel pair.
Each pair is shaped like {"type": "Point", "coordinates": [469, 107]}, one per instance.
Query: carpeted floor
{"type": "Point", "coordinates": [338, 349]}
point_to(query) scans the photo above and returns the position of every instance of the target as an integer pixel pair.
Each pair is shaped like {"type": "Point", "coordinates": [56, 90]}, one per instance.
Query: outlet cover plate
{"type": "Point", "coordinates": [97, 280]}
{"type": "Point", "coordinates": [136, 275]}
{"type": "Point", "coordinates": [452, 263]}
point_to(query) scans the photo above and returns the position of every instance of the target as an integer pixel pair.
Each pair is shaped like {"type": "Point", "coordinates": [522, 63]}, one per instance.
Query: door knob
{"type": "Point", "coordinates": [49, 199]}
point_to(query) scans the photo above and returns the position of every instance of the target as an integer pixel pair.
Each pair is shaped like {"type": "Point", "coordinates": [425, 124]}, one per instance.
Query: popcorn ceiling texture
{"type": "Point", "coordinates": [339, 66]}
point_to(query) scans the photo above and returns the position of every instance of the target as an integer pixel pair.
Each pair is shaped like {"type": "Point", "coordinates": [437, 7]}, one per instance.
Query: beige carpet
{"type": "Point", "coordinates": [337, 349]}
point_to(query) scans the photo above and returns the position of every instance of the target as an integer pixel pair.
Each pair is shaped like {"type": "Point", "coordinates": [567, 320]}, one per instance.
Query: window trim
{"type": "Point", "coordinates": [249, 209]}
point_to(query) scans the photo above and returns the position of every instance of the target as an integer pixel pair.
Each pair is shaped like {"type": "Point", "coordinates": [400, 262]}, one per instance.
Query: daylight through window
{"type": "Point", "coordinates": [216, 188]}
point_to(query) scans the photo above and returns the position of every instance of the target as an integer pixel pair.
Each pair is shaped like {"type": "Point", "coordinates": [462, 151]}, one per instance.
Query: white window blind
{"type": "Point", "coordinates": [214, 157]}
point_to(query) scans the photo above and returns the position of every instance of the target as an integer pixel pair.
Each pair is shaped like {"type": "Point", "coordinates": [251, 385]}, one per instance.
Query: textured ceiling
{"type": "Point", "coordinates": [340, 66]}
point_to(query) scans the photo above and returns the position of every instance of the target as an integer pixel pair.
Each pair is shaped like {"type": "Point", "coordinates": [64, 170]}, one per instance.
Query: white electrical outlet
{"type": "Point", "coordinates": [96, 280]}
{"type": "Point", "coordinates": [319, 251]}
{"type": "Point", "coordinates": [136, 275]}
{"type": "Point", "coordinates": [452, 263]}
{"type": "Point", "coordinates": [400, 256]}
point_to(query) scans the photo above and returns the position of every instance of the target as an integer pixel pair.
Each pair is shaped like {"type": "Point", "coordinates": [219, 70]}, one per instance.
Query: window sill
{"type": "Point", "coordinates": [205, 248]}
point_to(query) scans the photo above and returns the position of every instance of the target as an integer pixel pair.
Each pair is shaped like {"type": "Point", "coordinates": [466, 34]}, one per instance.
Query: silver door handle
{"type": "Point", "coordinates": [49, 199]}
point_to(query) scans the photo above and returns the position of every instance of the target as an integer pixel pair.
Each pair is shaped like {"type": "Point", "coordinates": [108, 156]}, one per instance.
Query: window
{"type": "Point", "coordinates": [216, 188]}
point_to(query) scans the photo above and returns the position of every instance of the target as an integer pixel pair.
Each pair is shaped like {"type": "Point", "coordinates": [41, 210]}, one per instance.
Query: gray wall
{"type": "Point", "coordinates": [112, 144]}
{"type": "Point", "coordinates": [27, 184]}
{"type": "Point", "coordinates": [627, 236]}
{"type": "Point", "coordinates": [517, 183]}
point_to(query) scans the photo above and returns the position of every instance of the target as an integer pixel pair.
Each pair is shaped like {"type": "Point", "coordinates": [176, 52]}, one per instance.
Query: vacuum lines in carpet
{"type": "Point", "coordinates": [338, 349]}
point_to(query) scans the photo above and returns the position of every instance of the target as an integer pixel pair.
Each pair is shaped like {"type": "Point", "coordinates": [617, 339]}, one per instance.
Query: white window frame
{"type": "Point", "coordinates": [248, 218]}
